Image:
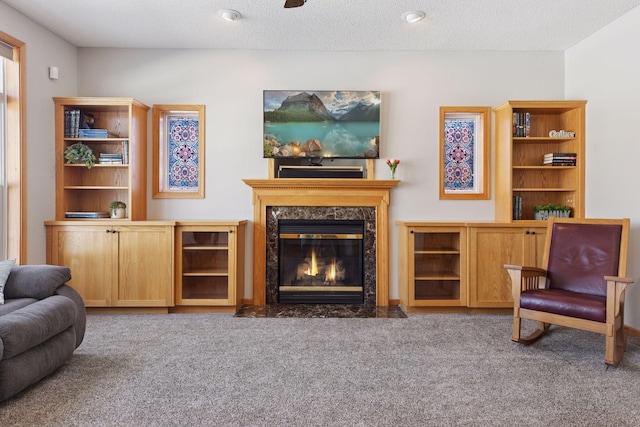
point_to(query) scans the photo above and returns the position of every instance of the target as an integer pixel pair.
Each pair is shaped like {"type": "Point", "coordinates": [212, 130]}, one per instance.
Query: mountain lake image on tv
{"type": "Point", "coordinates": [321, 124]}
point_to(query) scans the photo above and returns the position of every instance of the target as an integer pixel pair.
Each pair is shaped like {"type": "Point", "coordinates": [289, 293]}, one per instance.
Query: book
{"type": "Point", "coordinates": [86, 215]}
{"type": "Point", "coordinates": [517, 207]}
{"type": "Point", "coordinates": [521, 124]}
{"type": "Point", "coordinates": [71, 123]}
{"type": "Point", "coordinates": [92, 133]}
{"type": "Point", "coordinates": [560, 159]}
{"type": "Point", "coordinates": [125, 152]}
{"type": "Point", "coordinates": [110, 159]}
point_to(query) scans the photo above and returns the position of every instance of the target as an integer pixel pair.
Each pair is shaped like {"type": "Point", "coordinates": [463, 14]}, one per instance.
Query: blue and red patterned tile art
{"type": "Point", "coordinates": [183, 154]}
{"type": "Point", "coordinates": [458, 154]}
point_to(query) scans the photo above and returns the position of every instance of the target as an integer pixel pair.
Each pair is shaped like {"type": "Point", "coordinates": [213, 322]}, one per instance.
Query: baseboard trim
{"type": "Point", "coordinates": [127, 310]}
{"type": "Point", "coordinates": [464, 310]}
{"type": "Point", "coordinates": [201, 309]}
{"type": "Point", "coordinates": [633, 331]}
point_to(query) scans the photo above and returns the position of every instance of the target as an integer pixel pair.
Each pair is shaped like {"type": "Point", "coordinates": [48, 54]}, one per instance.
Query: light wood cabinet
{"type": "Point", "coordinates": [520, 172]}
{"type": "Point", "coordinates": [209, 263]}
{"type": "Point", "coordinates": [432, 264]}
{"type": "Point", "coordinates": [490, 248]}
{"type": "Point", "coordinates": [84, 190]}
{"type": "Point", "coordinates": [115, 264]}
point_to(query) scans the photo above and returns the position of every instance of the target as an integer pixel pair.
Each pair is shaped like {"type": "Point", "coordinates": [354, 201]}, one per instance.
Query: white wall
{"type": "Point", "coordinates": [605, 69]}
{"type": "Point", "coordinates": [44, 49]}
{"type": "Point", "coordinates": [230, 84]}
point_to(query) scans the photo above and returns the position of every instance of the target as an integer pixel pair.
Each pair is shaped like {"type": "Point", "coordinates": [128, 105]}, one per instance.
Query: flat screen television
{"type": "Point", "coordinates": [321, 124]}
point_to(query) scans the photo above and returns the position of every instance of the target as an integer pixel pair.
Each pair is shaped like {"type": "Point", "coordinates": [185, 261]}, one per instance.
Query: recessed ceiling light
{"type": "Point", "coordinates": [413, 16]}
{"type": "Point", "coordinates": [229, 14]}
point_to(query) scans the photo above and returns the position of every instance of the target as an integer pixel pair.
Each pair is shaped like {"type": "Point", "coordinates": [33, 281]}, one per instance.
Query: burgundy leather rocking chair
{"type": "Point", "coordinates": [581, 284]}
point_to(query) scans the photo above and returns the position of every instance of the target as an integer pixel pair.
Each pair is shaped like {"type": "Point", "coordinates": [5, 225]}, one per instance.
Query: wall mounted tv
{"type": "Point", "coordinates": [321, 124]}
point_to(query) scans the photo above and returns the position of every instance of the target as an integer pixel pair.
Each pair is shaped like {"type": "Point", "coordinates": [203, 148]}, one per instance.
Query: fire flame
{"type": "Point", "coordinates": [330, 275]}
{"type": "Point", "coordinates": [330, 271]}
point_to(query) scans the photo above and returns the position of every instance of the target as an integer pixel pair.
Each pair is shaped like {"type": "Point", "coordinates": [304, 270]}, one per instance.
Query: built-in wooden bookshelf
{"type": "Point", "coordinates": [86, 190]}
{"type": "Point", "coordinates": [520, 170]}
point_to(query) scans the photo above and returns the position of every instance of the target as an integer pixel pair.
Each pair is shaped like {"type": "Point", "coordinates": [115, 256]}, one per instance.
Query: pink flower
{"type": "Point", "coordinates": [393, 164]}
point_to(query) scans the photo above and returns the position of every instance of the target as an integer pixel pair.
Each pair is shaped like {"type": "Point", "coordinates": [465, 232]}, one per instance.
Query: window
{"type": "Point", "coordinates": [3, 176]}
{"type": "Point", "coordinates": [12, 146]}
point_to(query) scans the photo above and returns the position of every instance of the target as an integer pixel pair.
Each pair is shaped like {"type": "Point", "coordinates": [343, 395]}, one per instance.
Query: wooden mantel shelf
{"type": "Point", "coordinates": [320, 192]}
{"type": "Point", "coordinates": [292, 183]}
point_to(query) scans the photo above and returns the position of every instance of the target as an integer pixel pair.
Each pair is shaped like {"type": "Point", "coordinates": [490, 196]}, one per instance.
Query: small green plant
{"type": "Point", "coordinates": [551, 207]}
{"type": "Point", "coordinates": [116, 204]}
{"type": "Point", "coordinates": [80, 153]}
{"type": "Point", "coordinates": [543, 212]}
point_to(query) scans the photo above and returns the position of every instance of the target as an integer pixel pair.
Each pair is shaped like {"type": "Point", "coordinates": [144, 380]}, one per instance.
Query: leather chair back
{"type": "Point", "coordinates": [580, 255]}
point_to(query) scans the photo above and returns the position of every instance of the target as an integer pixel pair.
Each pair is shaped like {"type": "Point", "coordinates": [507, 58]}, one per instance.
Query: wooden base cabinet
{"type": "Point", "coordinates": [114, 264]}
{"type": "Point", "coordinates": [209, 263]}
{"type": "Point", "coordinates": [490, 248]}
{"type": "Point", "coordinates": [462, 264]}
{"type": "Point", "coordinates": [432, 265]}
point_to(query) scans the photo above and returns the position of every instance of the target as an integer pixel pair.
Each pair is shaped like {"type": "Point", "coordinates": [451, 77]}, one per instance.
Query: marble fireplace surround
{"type": "Point", "coordinates": [289, 196]}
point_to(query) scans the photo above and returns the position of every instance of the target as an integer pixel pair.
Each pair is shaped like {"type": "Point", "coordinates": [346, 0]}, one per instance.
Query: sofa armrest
{"type": "Point", "coordinates": [35, 281]}
{"type": "Point", "coordinates": [81, 320]}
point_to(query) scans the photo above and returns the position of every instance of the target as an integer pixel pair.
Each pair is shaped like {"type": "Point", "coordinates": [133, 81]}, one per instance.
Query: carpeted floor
{"type": "Point", "coordinates": [424, 370]}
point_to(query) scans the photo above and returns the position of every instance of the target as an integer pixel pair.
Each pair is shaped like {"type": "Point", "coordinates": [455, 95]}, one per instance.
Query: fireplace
{"type": "Point", "coordinates": [321, 261]}
{"type": "Point", "coordinates": [314, 198]}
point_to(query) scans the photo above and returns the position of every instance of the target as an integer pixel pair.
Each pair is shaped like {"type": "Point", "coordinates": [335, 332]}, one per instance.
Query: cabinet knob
{"type": "Point", "coordinates": [109, 231]}
{"type": "Point", "coordinates": [527, 232]}
{"type": "Point", "coordinates": [411, 232]}
{"type": "Point", "coordinates": [230, 231]}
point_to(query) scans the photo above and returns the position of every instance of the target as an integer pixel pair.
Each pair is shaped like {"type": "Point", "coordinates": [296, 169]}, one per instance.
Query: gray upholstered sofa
{"type": "Point", "coordinates": [42, 322]}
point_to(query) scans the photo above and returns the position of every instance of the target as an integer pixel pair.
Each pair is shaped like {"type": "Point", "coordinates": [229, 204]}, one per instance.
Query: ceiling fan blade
{"type": "Point", "coordinates": [294, 3]}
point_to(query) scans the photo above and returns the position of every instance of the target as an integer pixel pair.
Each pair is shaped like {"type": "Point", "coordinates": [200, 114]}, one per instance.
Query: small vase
{"type": "Point", "coordinates": [393, 174]}
{"type": "Point", "coordinates": [118, 213]}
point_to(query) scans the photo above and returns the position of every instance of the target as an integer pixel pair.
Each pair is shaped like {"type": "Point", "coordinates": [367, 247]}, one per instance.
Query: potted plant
{"type": "Point", "coordinates": [80, 153]}
{"type": "Point", "coordinates": [117, 209]}
{"type": "Point", "coordinates": [543, 212]}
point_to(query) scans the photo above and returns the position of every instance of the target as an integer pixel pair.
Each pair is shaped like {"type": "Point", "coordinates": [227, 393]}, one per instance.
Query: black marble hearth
{"type": "Point", "coordinates": [367, 214]}
{"type": "Point", "coordinates": [321, 311]}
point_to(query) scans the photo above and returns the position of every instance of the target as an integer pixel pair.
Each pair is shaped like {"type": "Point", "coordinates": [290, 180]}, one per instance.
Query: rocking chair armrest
{"type": "Point", "coordinates": [527, 271]}
{"type": "Point", "coordinates": [616, 287]}
{"type": "Point", "coordinates": [618, 279]}
{"type": "Point", "coordinates": [524, 278]}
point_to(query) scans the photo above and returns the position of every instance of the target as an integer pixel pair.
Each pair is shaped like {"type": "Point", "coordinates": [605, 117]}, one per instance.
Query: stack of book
{"type": "Point", "coordinates": [517, 207]}
{"type": "Point", "coordinates": [559, 159]}
{"type": "Point", "coordinates": [521, 124]}
{"type": "Point", "coordinates": [93, 133]}
{"type": "Point", "coordinates": [71, 123]}
{"type": "Point", "coordinates": [86, 215]}
{"type": "Point", "coordinates": [110, 159]}
{"type": "Point", "coordinates": [125, 152]}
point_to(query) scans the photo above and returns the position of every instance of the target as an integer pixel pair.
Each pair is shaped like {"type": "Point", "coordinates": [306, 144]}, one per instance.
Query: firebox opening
{"type": "Point", "coordinates": [321, 261]}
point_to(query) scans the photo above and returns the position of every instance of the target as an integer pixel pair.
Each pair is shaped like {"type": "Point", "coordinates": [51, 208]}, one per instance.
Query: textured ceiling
{"type": "Point", "coordinates": [326, 25]}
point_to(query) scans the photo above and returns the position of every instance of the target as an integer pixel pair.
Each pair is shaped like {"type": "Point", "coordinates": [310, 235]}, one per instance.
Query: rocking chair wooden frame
{"type": "Point", "coordinates": [532, 278]}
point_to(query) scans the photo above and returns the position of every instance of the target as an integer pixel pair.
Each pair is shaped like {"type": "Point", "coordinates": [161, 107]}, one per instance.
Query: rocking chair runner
{"type": "Point", "coordinates": [581, 284]}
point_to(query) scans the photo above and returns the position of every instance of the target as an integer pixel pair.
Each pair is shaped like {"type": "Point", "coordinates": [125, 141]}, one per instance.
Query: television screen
{"type": "Point", "coordinates": [321, 124]}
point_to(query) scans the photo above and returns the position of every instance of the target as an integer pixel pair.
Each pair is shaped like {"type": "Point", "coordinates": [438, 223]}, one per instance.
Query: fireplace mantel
{"type": "Point", "coordinates": [321, 192]}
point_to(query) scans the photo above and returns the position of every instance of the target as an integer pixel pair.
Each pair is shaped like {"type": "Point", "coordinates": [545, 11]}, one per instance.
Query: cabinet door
{"type": "Point", "coordinates": [537, 240]}
{"type": "Point", "coordinates": [436, 266]}
{"type": "Point", "coordinates": [206, 266]}
{"type": "Point", "coordinates": [90, 253]}
{"type": "Point", "coordinates": [145, 266]}
{"type": "Point", "coordinates": [490, 249]}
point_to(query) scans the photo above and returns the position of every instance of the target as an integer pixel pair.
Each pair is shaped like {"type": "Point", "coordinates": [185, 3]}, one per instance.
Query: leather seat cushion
{"type": "Point", "coordinates": [566, 303]}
